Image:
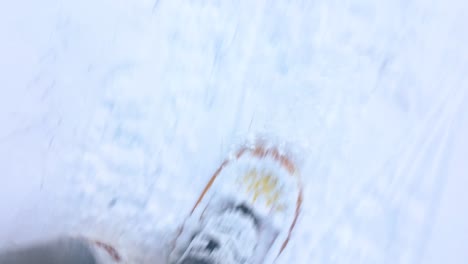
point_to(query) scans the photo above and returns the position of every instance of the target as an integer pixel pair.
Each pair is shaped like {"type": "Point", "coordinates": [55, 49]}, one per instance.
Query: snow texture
{"type": "Point", "coordinates": [114, 114]}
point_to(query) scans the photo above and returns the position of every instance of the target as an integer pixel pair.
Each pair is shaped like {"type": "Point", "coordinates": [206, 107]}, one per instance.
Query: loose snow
{"type": "Point", "coordinates": [114, 115]}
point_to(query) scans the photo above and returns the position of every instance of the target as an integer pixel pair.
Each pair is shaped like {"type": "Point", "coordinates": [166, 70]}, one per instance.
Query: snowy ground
{"type": "Point", "coordinates": [115, 113]}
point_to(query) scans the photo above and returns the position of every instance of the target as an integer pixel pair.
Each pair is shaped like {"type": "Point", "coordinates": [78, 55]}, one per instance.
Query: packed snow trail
{"type": "Point", "coordinates": [124, 110]}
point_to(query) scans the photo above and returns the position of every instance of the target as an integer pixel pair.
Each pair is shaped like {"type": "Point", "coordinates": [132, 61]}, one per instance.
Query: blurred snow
{"type": "Point", "coordinates": [115, 113]}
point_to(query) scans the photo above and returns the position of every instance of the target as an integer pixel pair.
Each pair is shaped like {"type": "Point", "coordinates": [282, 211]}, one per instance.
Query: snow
{"type": "Point", "coordinates": [115, 114]}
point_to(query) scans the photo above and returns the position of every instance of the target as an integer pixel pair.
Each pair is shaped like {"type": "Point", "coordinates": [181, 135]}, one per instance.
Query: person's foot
{"type": "Point", "coordinates": [229, 238]}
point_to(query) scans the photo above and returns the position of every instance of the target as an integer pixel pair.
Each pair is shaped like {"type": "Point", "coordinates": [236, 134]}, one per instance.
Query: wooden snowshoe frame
{"type": "Point", "coordinates": [260, 151]}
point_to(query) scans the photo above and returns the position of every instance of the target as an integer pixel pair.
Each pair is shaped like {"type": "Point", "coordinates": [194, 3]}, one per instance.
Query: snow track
{"type": "Point", "coordinates": [115, 115]}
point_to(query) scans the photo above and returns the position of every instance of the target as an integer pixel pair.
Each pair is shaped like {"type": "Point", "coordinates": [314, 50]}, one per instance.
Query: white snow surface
{"type": "Point", "coordinates": [114, 114]}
